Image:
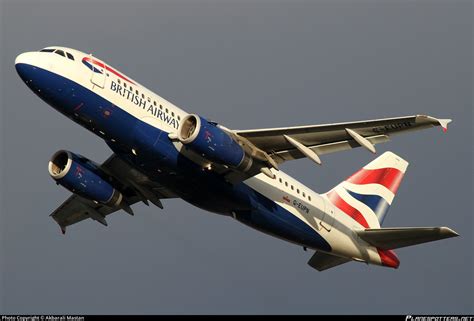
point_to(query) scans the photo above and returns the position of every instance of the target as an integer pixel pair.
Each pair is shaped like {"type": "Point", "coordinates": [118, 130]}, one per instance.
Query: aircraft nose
{"type": "Point", "coordinates": [20, 58]}
{"type": "Point", "coordinates": [26, 58]}
{"type": "Point", "coordinates": [47, 85]}
{"type": "Point", "coordinates": [24, 63]}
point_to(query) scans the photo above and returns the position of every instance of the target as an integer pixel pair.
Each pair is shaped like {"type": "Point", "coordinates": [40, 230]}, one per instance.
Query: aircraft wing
{"type": "Point", "coordinates": [288, 143]}
{"type": "Point", "coordinates": [134, 186]}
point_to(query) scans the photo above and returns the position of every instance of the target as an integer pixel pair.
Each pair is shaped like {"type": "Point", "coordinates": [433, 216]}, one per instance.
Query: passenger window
{"type": "Point", "coordinates": [161, 107]}
{"type": "Point", "coordinates": [280, 180]}
{"type": "Point", "coordinates": [131, 88]}
{"type": "Point", "coordinates": [136, 92]}
{"type": "Point", "coordinates": [149, 100]}
{"type": "Point", "coordinates": [286, 184]}
{"type": "Point", "coordinates": [70, 56]}
{"type": "Point", "coordinates": [172, 114]}
{"type": "Point", "coordinates": [166, 110]}
{"type": "Point", "coordinates": [298, 190]}
{"type": "Point", "coordinates": [124, 85]}
{"type": "Point", "coordinates": [309, 197]}
{"type": "Point", "coordinates": [60, 52]}
{"type": "Point", "coordinates": [118, 80]}
{"type": "Point", "coordinates": [292, 188]}
{"type": "Point", "coordinates": [304, 195]}
{"type": "Point", "coordinates": [179, 118]}
{"type": "Point", "coordinates": [143, 96]}
{"type": "Point", "coordinates": [154, 103]}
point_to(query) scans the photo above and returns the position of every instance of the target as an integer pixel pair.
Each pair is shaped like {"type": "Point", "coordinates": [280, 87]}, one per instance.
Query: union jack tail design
{"type": "Point", "coordinates": [367, 194]}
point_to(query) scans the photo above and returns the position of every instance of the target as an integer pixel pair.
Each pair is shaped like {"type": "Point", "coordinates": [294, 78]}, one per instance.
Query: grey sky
{"type": "Point", "coordinates": [246, 64]}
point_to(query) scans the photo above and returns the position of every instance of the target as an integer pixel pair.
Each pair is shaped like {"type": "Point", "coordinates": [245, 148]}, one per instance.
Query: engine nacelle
{"type": "Point", "coordinates": [81, 176]}
{"type": "Point", "coordinates": [210, 141]}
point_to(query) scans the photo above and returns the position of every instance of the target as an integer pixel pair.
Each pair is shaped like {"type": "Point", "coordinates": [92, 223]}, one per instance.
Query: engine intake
{"type": "Point", "coordinates": [82, 177]}
{"type": "Point", "coordinates": [210, 141]}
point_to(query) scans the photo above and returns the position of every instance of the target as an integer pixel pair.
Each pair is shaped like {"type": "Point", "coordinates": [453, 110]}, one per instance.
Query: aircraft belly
{"type": "Point", "coordinates": [155, 155]}
{"type": "Point", "coordinates": [282, 224]}
{"type": "Point", "coordinates": [272, 218]}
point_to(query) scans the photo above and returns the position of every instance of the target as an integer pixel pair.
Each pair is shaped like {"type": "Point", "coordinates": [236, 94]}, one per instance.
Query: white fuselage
{"type": "Point", "coordinates": [308, 206]}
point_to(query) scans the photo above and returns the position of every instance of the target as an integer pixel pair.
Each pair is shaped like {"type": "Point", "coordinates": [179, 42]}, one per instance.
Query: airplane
{"type": "Point", "coordinates": [161, 152]}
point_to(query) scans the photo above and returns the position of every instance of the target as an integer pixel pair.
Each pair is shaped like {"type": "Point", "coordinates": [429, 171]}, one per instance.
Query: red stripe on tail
{"type": "Point", "coordinates": [347, 209]}
{"type": "Point", "coordinates": [388, 177]}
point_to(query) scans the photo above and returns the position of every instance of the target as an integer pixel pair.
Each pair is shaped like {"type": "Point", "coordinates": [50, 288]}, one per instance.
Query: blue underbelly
{"type": "Point", "coordinates": [160, 161]}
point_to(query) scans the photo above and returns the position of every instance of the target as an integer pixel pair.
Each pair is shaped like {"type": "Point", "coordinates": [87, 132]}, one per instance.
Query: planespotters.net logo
{"type": "Point", "coordinates": [438, 318]}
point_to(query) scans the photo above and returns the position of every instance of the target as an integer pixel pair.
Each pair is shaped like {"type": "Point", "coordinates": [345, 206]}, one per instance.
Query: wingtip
{"type": "Point", "coordinates": [443, 122]}
{"type": "Point", "coordinates": [447, 232]}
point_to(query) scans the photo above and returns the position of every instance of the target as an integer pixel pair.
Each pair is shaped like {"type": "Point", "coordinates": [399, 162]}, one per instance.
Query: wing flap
{"type": "Point", "coordinates": [394, 238]}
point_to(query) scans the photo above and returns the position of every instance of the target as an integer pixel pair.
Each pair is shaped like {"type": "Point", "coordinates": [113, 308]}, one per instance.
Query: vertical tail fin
{"type": "Point", "coordinates": [368, 193]}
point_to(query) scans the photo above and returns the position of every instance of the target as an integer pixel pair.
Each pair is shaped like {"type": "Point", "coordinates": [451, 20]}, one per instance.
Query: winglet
{"type": "Point", "coordinates": [442, 122]}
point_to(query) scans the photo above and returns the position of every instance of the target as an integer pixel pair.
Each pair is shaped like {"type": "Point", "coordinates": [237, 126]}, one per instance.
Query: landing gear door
{"type": "Point", "coordinates": [328, 218]}
{"type": "Point", "coordinates": [98, 72]}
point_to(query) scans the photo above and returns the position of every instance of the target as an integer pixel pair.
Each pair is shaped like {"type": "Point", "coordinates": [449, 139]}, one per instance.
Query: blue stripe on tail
{"type": "Point", "coordinates": [375, 202]}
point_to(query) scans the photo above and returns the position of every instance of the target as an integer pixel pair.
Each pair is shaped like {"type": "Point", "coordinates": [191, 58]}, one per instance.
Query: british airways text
{"type": "Point", "coordinates": [140, 102]}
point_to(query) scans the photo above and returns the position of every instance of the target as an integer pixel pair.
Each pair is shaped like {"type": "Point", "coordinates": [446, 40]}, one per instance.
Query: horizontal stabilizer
{"type": "Point", "coordinates": [394, 238]}
{"type": "Point", "coordinates": [322, 261]}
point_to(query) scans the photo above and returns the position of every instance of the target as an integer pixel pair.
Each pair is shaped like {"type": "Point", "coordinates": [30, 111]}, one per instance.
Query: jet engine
{"type": "Point", "coordinates": [210, 141]}
{"type": "Point", "coordinates": [221, 146]}
{"type": "Point", "coordinates": [82, 177]}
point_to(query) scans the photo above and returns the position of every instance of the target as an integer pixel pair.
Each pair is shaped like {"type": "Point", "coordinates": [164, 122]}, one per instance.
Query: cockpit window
{"type": "Point", "coordinates": [60, 52]}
